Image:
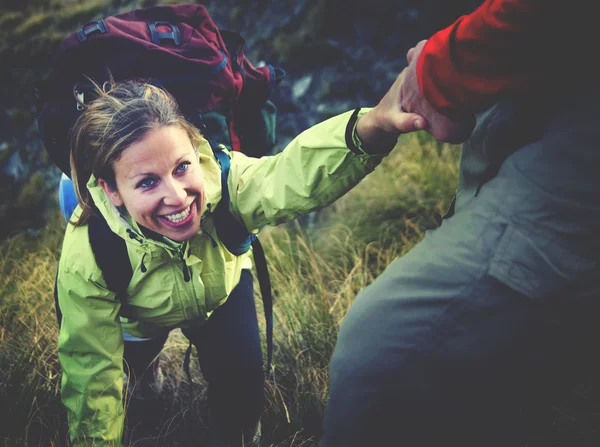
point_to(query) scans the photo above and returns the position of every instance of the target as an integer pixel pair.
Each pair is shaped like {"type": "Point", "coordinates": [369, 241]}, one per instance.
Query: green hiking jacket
{"type": "Point", "coordinates": [313, 171]}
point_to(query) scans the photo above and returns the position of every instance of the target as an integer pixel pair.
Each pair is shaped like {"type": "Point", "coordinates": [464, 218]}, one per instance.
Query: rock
{"type": "Point", "coordinates": [14, 168]}
{"type": "Point", "coordinates": [332, 108]}
{"type": "Point", "coordinates": [301, 86]}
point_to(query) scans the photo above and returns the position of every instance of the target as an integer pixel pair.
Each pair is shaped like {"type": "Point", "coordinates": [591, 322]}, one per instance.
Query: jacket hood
{"type": "Point", "coordinates": [121, 222]}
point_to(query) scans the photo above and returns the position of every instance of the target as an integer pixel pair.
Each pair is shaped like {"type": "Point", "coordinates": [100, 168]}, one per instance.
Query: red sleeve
{"type": "Point", "coordinates": [498, 47]}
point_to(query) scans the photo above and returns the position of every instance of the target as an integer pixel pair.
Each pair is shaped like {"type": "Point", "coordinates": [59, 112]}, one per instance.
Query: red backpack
{"type": "Point", "coordinates": [176, 47]}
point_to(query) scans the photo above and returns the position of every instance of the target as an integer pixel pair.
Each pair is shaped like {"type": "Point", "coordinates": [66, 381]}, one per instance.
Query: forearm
{"type": "Point", "coordinates": [497, 48]}
{"type": "Point", "coordinates": [96, 415]}
{"type": "Point", "coordinates": [90, 351]}
{"type": "Point", "coordinates": [313, 171]}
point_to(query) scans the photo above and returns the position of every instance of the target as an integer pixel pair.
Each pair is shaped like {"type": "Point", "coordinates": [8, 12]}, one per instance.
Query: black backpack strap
{"type": "Point", "coordinates": [238, 241]}
{"type": "Point", "coordinates": [231, 232]}
{"type": "Point", "coordinates": [111, 256]}
{"type": "Point", "coordinates": [264, 281]}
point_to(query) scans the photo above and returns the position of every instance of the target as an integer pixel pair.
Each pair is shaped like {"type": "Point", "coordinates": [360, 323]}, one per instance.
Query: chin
{"type": "Point", "coordinates": [182, 236]}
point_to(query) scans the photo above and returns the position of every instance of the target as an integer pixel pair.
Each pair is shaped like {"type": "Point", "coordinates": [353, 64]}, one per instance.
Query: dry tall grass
{"type": "Point", "coordinates": [316, 272]}
{"type": "Point", "coordinates": [317, 268]}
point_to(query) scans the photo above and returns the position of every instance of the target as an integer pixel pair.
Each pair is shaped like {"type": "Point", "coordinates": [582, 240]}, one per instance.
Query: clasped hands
{"type": "Point", "coordinates": [405, 109]}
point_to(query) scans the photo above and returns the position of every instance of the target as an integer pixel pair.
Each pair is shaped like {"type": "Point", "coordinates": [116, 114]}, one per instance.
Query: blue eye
{"type": "Point", "coordinates": [182, 167]}
{"type": "Point", "coordinates": [146, 183]}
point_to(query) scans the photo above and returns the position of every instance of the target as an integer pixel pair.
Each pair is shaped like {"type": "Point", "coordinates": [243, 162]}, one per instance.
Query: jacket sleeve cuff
{"type": "Point", "coordinates": [353, 141]}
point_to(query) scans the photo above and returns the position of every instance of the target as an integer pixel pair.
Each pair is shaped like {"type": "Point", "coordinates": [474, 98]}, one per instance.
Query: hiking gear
{"type": "Point", "coordinates": [313, 171]}
{"type": "Point", "coordinates": [450, 335]}
{"type": "Point", "coordinates": [66, 196]}
{"type": "Point", "coordinates": [178, 48]}
{"type": "Point", "coordinates": [111, 253]}
{"type": "Point", "coordinates": [217, 88]}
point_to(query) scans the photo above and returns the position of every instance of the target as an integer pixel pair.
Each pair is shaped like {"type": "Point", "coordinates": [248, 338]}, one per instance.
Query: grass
{"type": "Point", "coordinates": [316, 271]}
{"type": "Point", "coordinates": [29, 369]}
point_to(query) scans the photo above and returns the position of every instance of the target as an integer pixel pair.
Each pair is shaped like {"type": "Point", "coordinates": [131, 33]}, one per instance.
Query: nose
{"type": "Point", "coordinates": [174, 193]}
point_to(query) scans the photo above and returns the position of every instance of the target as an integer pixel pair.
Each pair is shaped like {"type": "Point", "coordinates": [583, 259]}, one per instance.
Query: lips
{"type": "Point", "coordinates": [178, 217]}
{"type": "Point", "coordinates": [181, 218]}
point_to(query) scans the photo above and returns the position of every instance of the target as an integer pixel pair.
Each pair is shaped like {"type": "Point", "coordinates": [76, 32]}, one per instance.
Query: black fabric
{"type": "Point", "coordinates": [350, 131]}
{"type": "Point", "coordinates": [56, 306]}
{"type": "Point", "coordinates": [231, 361]}
{"type": "Point", "coordinates": [232, 233]}
{"type": "Point", "coordinates": [112, 258]}
{"type": "Point", "coordinates": [138, 356]}
{"type": "Point", "coordinates": [264, 281]}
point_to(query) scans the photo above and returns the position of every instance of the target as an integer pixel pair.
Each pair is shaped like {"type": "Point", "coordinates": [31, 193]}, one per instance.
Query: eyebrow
{"type": "Point", "coordinates": [145, 174]}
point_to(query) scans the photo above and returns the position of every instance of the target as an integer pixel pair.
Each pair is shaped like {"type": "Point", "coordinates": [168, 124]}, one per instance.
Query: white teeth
{"type": "Point", "coordinates": [175, 218]}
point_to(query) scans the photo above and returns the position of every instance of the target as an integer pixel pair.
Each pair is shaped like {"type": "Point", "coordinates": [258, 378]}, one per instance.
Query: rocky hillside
{"type": "Point", "coordinates": [337, 53]}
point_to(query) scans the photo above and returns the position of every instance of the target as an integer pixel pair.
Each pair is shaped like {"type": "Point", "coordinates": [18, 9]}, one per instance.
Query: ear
{"type": "Point", "coordinates": [113, 195]}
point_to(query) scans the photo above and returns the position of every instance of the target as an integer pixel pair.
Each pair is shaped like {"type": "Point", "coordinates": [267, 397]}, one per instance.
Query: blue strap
{"type": "Point", "coordinates": [225, 162]}
{"type": "Point", "coordinates": [66, 197]}
{"type": "Point", "coordinates": [231, 232]}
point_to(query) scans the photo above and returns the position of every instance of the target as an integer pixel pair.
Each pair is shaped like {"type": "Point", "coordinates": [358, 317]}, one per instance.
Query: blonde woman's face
{"type": "Point", "coordinates": [160, 182]}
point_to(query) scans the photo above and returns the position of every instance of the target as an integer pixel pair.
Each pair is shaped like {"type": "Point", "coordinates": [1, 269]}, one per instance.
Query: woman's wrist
{"type": "Point", "coordinates": [373, 139]}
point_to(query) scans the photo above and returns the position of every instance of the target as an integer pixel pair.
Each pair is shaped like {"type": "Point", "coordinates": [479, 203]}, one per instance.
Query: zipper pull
{"type": "Point", "coordinates": [186, 272]}
{"type": "Point", "coordinates": [143, 267]}
{"type": "Point", "coordinates": [186, 269]}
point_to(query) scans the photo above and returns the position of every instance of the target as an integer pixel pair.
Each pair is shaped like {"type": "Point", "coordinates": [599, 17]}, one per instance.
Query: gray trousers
{"type": "Point", "coordinates": [453, 342]}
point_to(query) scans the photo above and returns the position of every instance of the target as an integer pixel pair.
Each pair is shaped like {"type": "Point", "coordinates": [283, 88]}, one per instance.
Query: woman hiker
{"type": "Point", "coordinates": [156, 182]}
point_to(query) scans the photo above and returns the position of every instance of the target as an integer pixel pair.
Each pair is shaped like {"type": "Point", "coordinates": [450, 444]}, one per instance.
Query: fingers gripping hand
{"type": "Point", "coordinates": [412, 99]}
{"type": "Point", "coordinates": [390, 114]}
{"type": "Point", "coordinates": [381, 126]}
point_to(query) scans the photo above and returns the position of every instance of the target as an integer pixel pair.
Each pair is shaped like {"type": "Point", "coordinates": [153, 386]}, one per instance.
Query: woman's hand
{"type": "Point", "coordinates": [380, 128]}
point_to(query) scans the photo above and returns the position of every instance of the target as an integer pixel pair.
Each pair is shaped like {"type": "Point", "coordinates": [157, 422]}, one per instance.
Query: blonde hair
{"type": "Point", "coordinates": [121, 115]}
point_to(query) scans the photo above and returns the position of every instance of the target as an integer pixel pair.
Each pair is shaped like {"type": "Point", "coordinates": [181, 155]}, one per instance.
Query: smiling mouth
{"type": "Point", "coordinates": [178, 217]}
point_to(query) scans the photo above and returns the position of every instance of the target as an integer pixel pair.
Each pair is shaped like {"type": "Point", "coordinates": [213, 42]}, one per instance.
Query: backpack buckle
{"type": "Point", "coordinates": [90, 28]}
{"type": "Point", "coordinates": [80, 100]}
{"type": "Point", "coordinates": [156, 36]}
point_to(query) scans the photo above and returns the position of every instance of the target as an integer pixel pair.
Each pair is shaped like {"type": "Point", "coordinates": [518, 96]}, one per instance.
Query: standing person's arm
{"type": "Point", "coordinates": [90, 350]}
{"type": "Point", "coordinates": [501, 46]}
{"type": "Point", "coordinates": [496, 48]}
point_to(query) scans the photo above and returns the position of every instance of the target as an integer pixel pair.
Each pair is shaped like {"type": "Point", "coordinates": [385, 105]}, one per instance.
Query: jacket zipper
{"type": "Point", "coordinates": [186, 269]}
{"type": "Point", "coordinates": [193, 303]}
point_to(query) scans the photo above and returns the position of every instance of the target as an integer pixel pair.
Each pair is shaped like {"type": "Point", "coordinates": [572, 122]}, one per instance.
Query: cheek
{"type": "Point", "coordinates": [198, 180]}
{"type": "Point", "coordinates": [141, 206]}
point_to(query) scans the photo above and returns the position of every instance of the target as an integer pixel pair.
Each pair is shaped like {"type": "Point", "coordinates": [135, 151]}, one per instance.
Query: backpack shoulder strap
{"type": "Point", "coordinates": [111, 256]}
{"type": "Point", "coordinates": [264, 282]}
{"type": "Point", "coordinates": [230, 231]}
{"type": "Point", "coordinates": [238, 241]}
